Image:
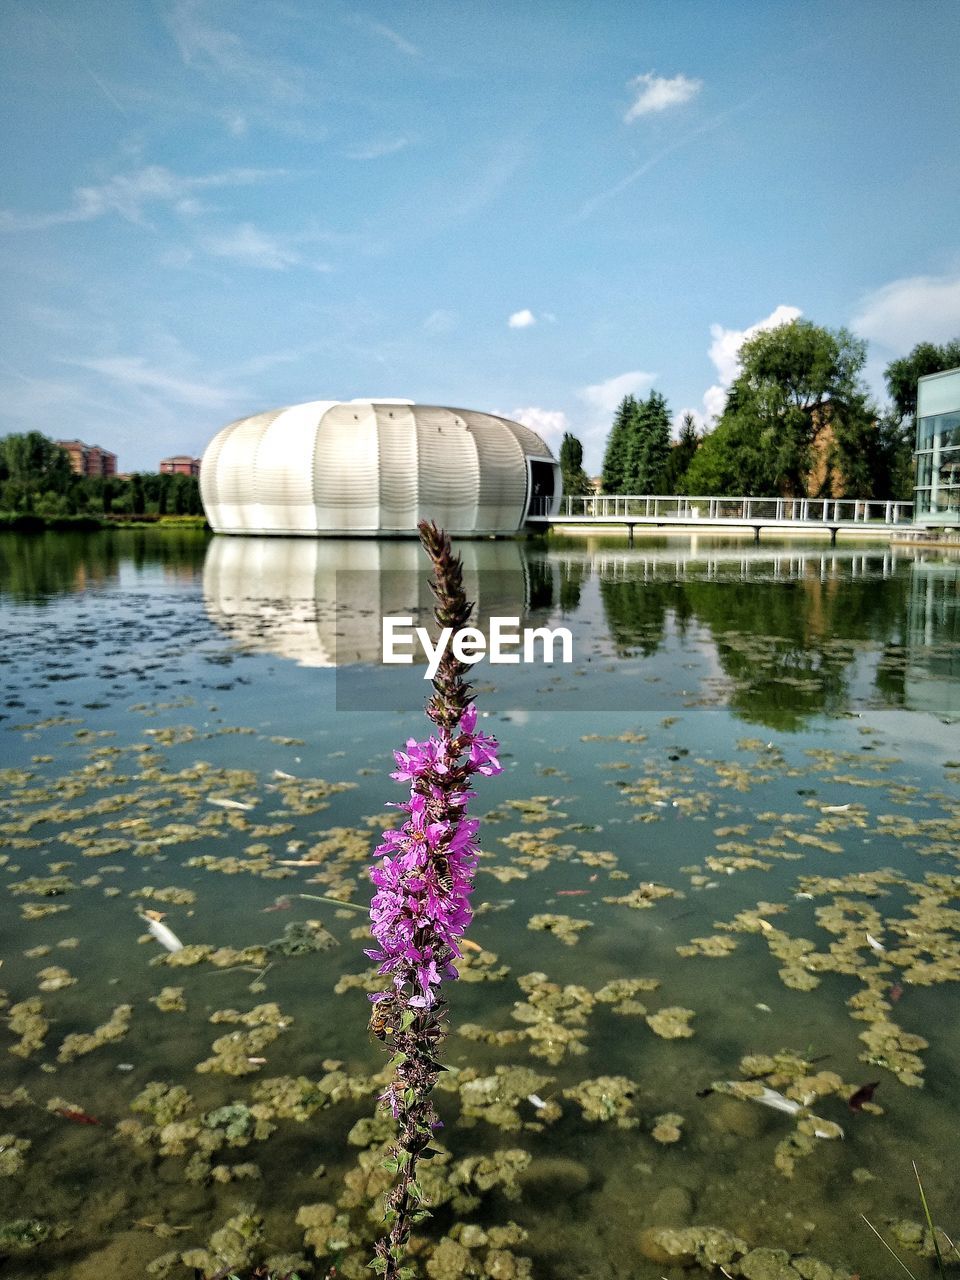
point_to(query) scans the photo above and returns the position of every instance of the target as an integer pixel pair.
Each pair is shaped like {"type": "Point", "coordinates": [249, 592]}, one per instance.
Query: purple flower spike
{"type": "Point", "coordinates": [421, 909]}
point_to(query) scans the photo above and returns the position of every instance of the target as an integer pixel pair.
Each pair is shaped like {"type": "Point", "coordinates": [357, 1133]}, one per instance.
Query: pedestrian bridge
{"type": "Point", "coordinates": [629, 511]}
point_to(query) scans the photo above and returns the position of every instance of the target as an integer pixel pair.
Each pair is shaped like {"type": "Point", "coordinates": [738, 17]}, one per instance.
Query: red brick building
{"type": "Point", "coordinates": [89, 459]}
{"type": "Point", "coordinates": [181, 465]}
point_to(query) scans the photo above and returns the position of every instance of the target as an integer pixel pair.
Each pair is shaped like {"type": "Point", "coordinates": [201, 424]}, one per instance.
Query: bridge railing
{"type": "Point", "coordinates": [679, 507]}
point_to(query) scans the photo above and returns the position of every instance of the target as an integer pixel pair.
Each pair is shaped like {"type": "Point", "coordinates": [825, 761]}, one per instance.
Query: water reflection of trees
{"type": "Point", "coordinates": [788, 645]}
{"type": "Point", "coordinates": [790, 648]}
{"type": "Point", "coordinates": [38, 566]}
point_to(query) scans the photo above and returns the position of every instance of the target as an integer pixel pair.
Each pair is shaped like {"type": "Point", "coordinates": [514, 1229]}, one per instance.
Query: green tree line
{"type": "Point", "coordinates": [36, 479]}
{"type": "Point", "coordinates": [798, 422]}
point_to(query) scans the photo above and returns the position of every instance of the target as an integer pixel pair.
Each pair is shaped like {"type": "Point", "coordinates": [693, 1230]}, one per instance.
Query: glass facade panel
{"type": "Point", "coordinates": [937, 493]}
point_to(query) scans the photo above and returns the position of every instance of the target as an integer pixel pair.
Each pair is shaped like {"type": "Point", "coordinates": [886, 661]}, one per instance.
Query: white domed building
{"type": "Point", "coordinates": [375, 468]}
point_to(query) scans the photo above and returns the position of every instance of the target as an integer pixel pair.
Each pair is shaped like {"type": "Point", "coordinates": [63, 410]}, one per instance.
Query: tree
{"type": "Point", "coordinates": [137, 498]}
{"type": "Point", "coordinates": [575, 479]}
{"type": "Point", "coordinates": [31, 465]}
{"type": "Point", "coordinates": [774, 435]}
{"type": "Point", "coordinates": [618, 446]}
{"type": "Point", "coordinates": [682, 454]}
{"type": "Point", "coordinates": [901, 375]}
{"type": "Point", "coordinates": [648, 447]}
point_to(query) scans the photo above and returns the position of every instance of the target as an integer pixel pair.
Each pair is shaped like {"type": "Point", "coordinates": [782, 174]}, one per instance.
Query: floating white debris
{"type": "Point", "coordinates": [770, 1098]}
{"type": "Point", "coordinates": [764, 1008]}
{"type": "Point", "coordinates": [877, 946]}
{"type": "Point", "coordinates": [289, 777]}
{"type": "Point", "coordinates": [826, 1129]}
{"type": "Point", "coordinates": [536, 1101]}
{"type": "Point", "coordinates": [225, 803]}
{"type": "Point", "coordinates": [834, 808]}
{"type": "Point", "coordinates": [778, 1102]}
{"type": "Point", "coordinates": [166, 937]}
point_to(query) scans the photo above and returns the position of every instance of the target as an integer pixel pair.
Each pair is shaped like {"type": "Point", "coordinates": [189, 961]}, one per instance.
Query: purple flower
{"type": "Point", "coordinates": [423, 879]}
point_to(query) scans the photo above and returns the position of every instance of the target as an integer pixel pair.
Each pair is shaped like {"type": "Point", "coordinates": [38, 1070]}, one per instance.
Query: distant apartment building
{"type": "Point", "coordinates": [181, 465]}
{"type": "Point", "coordinates": [89, 459]}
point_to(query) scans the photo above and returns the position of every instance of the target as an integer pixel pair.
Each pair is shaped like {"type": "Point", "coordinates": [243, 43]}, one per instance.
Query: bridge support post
{"type": "Point", "coordinates": [629, 533]}
{"type": "Point", "coordinates": [833, 535]}
{"type": "Point", "coordinates": [756, 535]}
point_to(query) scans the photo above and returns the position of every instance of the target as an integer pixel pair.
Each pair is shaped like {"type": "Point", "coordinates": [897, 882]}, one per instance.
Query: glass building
{"type": "Point", "coordinates": [937, 494]}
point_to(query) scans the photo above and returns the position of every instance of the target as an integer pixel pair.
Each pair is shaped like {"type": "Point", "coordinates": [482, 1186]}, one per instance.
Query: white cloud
{"type": "Point", "coordinates": [129, 194]}
{"type": "Point", "coordinates": [657, 93]}
{"type": "Point", "coordinates": [914, 309]}
{"type": "Point", "coordinates": [550, 424]}
{"type": "Point", "coordinates": [714, 401]}
{"type": "Point", "coordinates": [604, 397]}
{"type": "Point", "coordinates": [724, 352]}
{"type": "Point", "coordinates": [726, 344]}
{"type": "Point", "coordinates": [522, 319]}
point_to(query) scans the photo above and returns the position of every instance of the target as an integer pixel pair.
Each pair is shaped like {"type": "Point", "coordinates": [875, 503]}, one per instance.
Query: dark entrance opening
{"type": "Point", "coordinates": [542, 487]}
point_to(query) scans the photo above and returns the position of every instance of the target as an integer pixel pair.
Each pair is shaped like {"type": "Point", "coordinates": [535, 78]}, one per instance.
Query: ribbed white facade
{"type": "Point", "coordinates": [375, 468]}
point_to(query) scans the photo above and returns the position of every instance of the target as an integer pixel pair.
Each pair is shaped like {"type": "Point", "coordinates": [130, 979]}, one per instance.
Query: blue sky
{"type": "Point", "coordinates": [213, 207]}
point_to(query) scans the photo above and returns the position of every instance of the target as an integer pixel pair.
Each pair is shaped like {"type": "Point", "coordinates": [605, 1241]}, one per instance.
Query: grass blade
{"type": "Point", "coordinates": [933, 1230]}
{"type": "Point", "coordinates": [892, 1252]}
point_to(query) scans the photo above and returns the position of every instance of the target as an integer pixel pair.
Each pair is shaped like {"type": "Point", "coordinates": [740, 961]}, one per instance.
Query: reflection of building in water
{"type": "Point", "coordinates": [933, 638]}
{"type": "Point", "coordinates": [376, 468]}
{"type": "Point", "coordinates": [321, 602]}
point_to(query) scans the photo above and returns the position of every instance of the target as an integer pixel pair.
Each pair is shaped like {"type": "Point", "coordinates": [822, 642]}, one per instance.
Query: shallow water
{"type": "Point", "coordinates": [740, 725]}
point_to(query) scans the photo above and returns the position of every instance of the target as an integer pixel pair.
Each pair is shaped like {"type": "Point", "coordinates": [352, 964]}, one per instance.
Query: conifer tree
{"type": "Point", "coordinates": [649, 447]}
{"type": "Point", "coordinates": [681, 455]}
{"type": "Point", "coordinates": [575, 479]}
{"type": "Point", "coordinates": [616, 456]}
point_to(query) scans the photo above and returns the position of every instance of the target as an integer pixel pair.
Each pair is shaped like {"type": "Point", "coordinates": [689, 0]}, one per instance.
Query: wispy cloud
{"type": "Point", "coordinates": [38, 15]}
{"type": "Point", "coordinates": [378, 149]}
{"type": "Point", "coordinates": [129, 195]}
{"type": "Point", "coordinates": [134, 373]}
{"type": "Point", "coordinates": [387, 33]}
{"type": "Point", "coordinates": [441, 321]}
{"type": "Point", "coordinates": [522, 319]}
{"type": "Point", "coordinates": [256, 248]}
{"type": "Point", "coordinates": [456, 196]}
{"type": "Point", "coordinates": [911, 310]}
{"type": "Point", "coordinates": [656, 93]}
{"type": "Point", "coordinates": [222, 53]}
{"type": "Point", "coordinates": [589, 207]}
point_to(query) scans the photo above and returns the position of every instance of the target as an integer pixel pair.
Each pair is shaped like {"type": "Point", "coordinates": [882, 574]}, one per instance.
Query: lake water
{"type": "Point", "coordinates": [722, 857]}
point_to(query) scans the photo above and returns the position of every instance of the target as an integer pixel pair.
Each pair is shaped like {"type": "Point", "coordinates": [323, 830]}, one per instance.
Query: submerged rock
{"type": "Point", "coordinates": [554, 1177]}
